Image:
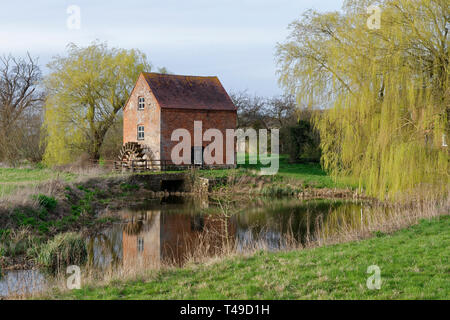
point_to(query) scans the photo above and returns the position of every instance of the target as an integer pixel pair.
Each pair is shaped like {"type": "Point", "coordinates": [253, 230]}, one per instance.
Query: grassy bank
{"type": "Point", "coordinates": [302, 175]}
{"type": "Point", "coordinates": [414, 264]}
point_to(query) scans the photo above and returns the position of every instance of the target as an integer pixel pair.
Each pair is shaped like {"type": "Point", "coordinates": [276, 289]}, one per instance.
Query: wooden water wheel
{"type": "Point", "coordinates": [131, 152]}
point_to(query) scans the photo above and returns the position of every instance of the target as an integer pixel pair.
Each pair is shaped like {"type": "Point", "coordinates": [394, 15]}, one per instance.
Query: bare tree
{"type": "Point", "coordinates": [251, 110]}
{"type": "Point", "coordinates": [19, 97]}
{"type": "Point", "coordinates": [281, 110]}
{"type": "Point", "coordinates": [268, 113]}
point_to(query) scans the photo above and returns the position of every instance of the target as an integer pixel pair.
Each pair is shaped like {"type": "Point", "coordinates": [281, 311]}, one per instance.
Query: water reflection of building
{"type": "Point", "coordinates": [141, 239]}
{"type": "Point", "coordinates": [174, 229]}
{"type": "Point", "coordinates": [154, 237]}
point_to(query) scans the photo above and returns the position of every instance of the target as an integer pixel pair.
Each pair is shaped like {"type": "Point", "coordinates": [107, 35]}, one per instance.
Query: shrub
{"type": "Point", "coordinates": [63, 250]}
{"type": "Point", "coordinates": [29, 217]}
{"type": "Point", "coordinates": [301, 142]}
{"type": "Point", "coordinates": [46, 202]}
{"type": "Point", "coordinates": [280, 190]}
{"type": "Point", "coordinates": [379, 234]}
{"type": "Point", "coordinates": [128, 187]}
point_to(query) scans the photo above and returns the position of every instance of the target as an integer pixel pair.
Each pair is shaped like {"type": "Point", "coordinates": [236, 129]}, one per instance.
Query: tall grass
{"type": "Point", "coordinates": [63, 250]}
{"type": "Point", "coordinates": [376, 219]}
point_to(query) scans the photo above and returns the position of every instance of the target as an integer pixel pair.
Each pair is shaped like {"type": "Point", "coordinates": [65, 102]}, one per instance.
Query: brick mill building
{"type": "Point", "coordinates": [161, 103]}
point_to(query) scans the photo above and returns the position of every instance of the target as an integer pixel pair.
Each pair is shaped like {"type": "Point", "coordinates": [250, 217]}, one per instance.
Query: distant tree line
{"type": "Point", "coordinates": [298, 137]}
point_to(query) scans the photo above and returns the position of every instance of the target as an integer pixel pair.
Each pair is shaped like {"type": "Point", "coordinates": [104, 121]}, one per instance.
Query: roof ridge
{"type": "Point", "coordinates": [177, 75]}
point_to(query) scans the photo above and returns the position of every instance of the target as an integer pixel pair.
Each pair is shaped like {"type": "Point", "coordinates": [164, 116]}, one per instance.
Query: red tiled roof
{"type": "Point", "coordinates": [189, 92]}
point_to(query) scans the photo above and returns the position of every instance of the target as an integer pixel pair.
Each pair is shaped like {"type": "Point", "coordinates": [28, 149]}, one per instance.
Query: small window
{"type": "Point", "coordinates": [141, 105]}
{"type": "Point", "coordinates": [140, 244]}
{"type": "Point", "coordinates": [140, 135]}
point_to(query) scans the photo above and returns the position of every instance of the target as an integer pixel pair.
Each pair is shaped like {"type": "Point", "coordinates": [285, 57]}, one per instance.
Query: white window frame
{"type": "Point", "coordinates": [140, 130]}
{"type": "Point", "coordinates": [141, 103]}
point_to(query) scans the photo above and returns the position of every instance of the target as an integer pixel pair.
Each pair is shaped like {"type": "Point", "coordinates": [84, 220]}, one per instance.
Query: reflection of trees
{"type": "Point", "coordinates": [353, 217]}
{"type": "Point", "coordinates": [140, 223]}
{"type": "Point", "coordinates": [287, 220]}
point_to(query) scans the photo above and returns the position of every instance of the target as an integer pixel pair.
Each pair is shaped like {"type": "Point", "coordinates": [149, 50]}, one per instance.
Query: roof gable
{"type": "Point", "coordinates": [189, 92]}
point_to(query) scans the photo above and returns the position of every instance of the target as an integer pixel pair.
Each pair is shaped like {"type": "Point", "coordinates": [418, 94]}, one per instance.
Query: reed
{"type": "Point", "coordinates": [63, 250]}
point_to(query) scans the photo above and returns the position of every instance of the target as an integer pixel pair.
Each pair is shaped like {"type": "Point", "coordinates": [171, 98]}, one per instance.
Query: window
{"type": "Point", "coordinates": [141, 104]}
{"type": "Point", "coordinates": [140, 135]}
{"type": "Point", "coordinates": [140, 244]}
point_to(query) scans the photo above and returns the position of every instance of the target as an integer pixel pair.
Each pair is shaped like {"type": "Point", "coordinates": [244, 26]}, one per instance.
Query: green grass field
{"type": "Point", "coordinates": [12, 179]}
{"type": "Point", "coordinates": [414, 264]}
{"type": "Point", "coordinates": [311, 174]}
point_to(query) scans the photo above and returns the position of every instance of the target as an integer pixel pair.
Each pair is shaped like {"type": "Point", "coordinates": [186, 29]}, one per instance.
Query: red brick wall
{"type": "Point", "coordinates": [172, 119]}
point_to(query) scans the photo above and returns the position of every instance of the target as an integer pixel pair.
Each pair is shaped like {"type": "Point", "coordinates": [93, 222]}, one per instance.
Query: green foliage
{"type": "Point", "coordinates": [84, 205]}
{"type": "Point", "coordinates": [386, 92]}
{"type": "Point", "coordinates": [37, 219]}
{"type": "Point", "coordinates": [49, 203]}
{"type": "Point", "coordinates": [63, 250]}
{"type": "Point", "coordinates": [4, 233]}
{"type": "Point", "coordinates": [125, 187]}
{"type": "Point", "coordinates": [379, 234]}
{"type": "Point", "coordinates": [29, 217]}
{"type": "Point", "coordinates": [301, 142]}
{"type": "Point", "coordinates": [86, 90]}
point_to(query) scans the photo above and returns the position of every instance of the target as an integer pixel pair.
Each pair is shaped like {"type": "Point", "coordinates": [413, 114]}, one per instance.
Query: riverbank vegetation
{"type": "Point", "coordinates": [63, 250]}
{"type": "Point", "coordinates": [304, 175]}
{"type": "Point", "coordinates": [31, 216]}
{"type": "Point", "coordinates": [413, 264]}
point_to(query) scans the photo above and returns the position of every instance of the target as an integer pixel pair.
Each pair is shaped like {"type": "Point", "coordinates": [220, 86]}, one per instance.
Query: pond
{"type": "Point", "coordinates": [174, 230]}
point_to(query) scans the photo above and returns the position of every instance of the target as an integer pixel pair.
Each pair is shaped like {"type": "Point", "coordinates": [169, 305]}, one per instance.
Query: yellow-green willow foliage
{"type": "Point", "coordinates": [86, 89]}
{"type": "Point", "coordinates": [383, 94]}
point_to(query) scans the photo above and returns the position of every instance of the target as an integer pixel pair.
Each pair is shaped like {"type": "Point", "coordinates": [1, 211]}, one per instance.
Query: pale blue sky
{"type": "Point", "coordinates": [233, 39]}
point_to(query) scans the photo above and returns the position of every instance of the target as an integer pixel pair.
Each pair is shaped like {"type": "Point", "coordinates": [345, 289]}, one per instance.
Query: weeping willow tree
{"type": "Point", "coordinates": [383, 94]}
{"type": "Point", "coordinates": [86, 90]}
